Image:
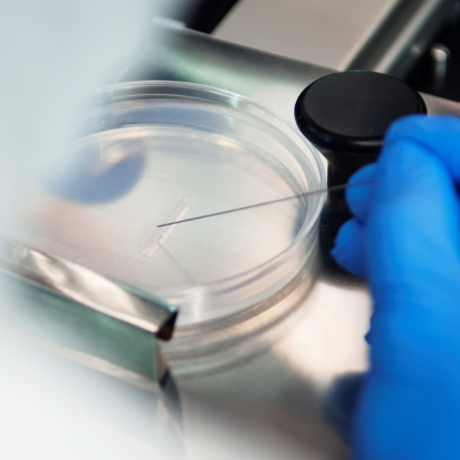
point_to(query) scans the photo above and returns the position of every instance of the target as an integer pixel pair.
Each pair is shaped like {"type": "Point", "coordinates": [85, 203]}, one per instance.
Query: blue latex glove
{"type": "Point", "coordinates": [405, 239]}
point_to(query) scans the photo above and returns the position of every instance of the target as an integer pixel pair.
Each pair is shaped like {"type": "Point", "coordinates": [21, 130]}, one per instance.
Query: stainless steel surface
{"type": "Point", "coordinates": [437, 105]}
{"type": "Point", "coordinates": [273, 81]}
{"type": "Point", "coordinates": [385, 36]}
{"type": "Point", "coordinates": [403, 36]}
{"type": "Point", "coordinates": [268, 392]}
{"type": "Point", "coordinates": [186, 55]}
{"type": "Point", "coordinates": [323, 32]}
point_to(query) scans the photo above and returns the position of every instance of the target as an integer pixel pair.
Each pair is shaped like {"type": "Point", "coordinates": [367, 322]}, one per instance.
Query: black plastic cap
{"type": "Point", "coordinates": [351, 111]}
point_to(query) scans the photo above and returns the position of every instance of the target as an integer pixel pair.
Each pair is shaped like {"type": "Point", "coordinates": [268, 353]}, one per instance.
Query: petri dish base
{"type": "Point", "coordinates": [158, 152]}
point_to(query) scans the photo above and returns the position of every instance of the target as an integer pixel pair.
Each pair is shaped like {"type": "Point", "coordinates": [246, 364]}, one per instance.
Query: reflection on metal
{"type": "Point", "coordinates": [273, 81]}
{"type": "Point", "coordinates": [383, 35]}
{"type": "Point", "coordinates": [77, 283]}
{"type": "Point", "coordinates": [185, 55]}
{"type": "Point", "coordinates": [438, 105]}
{"type": "Point", "coordinates": [403, 36]}
{"type": "Point", "coordinates": [440, 55]}
{"type": "Point", "coordinates": [89, 318]}
{"type": "Point", "coordinates": [327, 33]}
{"type": "Point", "coordinates": [416, 51]}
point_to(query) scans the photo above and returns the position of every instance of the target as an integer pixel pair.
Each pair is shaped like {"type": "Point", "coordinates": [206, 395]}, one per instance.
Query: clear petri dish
{"type": "Point", "coordinates": [158, 152]}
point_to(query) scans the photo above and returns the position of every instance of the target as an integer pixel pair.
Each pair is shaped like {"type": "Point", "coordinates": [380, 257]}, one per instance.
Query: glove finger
{"type": "Point", "coordinates": [413, 228]}
{"type": "Point", "coordinates": [349, 250]}
{"type": "Point", "coordinates": [439, 134]}
{"type": "Point", "coordinates": [359, 197]}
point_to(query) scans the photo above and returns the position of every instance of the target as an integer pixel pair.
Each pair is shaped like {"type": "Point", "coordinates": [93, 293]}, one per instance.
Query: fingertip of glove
{"type": "Point", "coordinates": [364, 174]}
{"type": "Point", "coordinates": [359, 197]}
{"type": "Point", "coordinates": [349, 247]}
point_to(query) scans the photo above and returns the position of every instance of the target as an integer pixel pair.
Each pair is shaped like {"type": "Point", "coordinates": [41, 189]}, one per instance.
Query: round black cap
{"type": "Point", "coordinates": [351, 111]}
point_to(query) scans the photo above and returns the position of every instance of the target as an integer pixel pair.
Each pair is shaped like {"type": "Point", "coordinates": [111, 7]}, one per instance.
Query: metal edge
{"type": "Point", "coordinates": [402, 37]}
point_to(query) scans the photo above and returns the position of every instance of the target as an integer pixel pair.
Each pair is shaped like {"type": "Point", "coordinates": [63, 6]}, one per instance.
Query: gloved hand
{"type": "Point", "coordinates": [405, 239]}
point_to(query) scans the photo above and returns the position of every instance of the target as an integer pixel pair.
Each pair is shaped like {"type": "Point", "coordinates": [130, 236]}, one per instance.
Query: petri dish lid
{"type": "Point", "coordinates": [157, 152]}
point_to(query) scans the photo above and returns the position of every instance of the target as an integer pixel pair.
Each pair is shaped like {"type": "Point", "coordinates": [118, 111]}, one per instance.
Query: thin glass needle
{"type": "Point", "coordinates": [334, 188]}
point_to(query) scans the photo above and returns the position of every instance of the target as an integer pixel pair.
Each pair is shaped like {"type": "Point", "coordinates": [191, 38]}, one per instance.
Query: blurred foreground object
{"type": "Point", "coordinates": [53, 54]}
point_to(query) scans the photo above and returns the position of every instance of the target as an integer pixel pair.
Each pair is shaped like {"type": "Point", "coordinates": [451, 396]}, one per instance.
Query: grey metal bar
{"type": "Point", "coordinates": [403, 37]}
{"type": "Point", "coordinates": [79, 314]}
